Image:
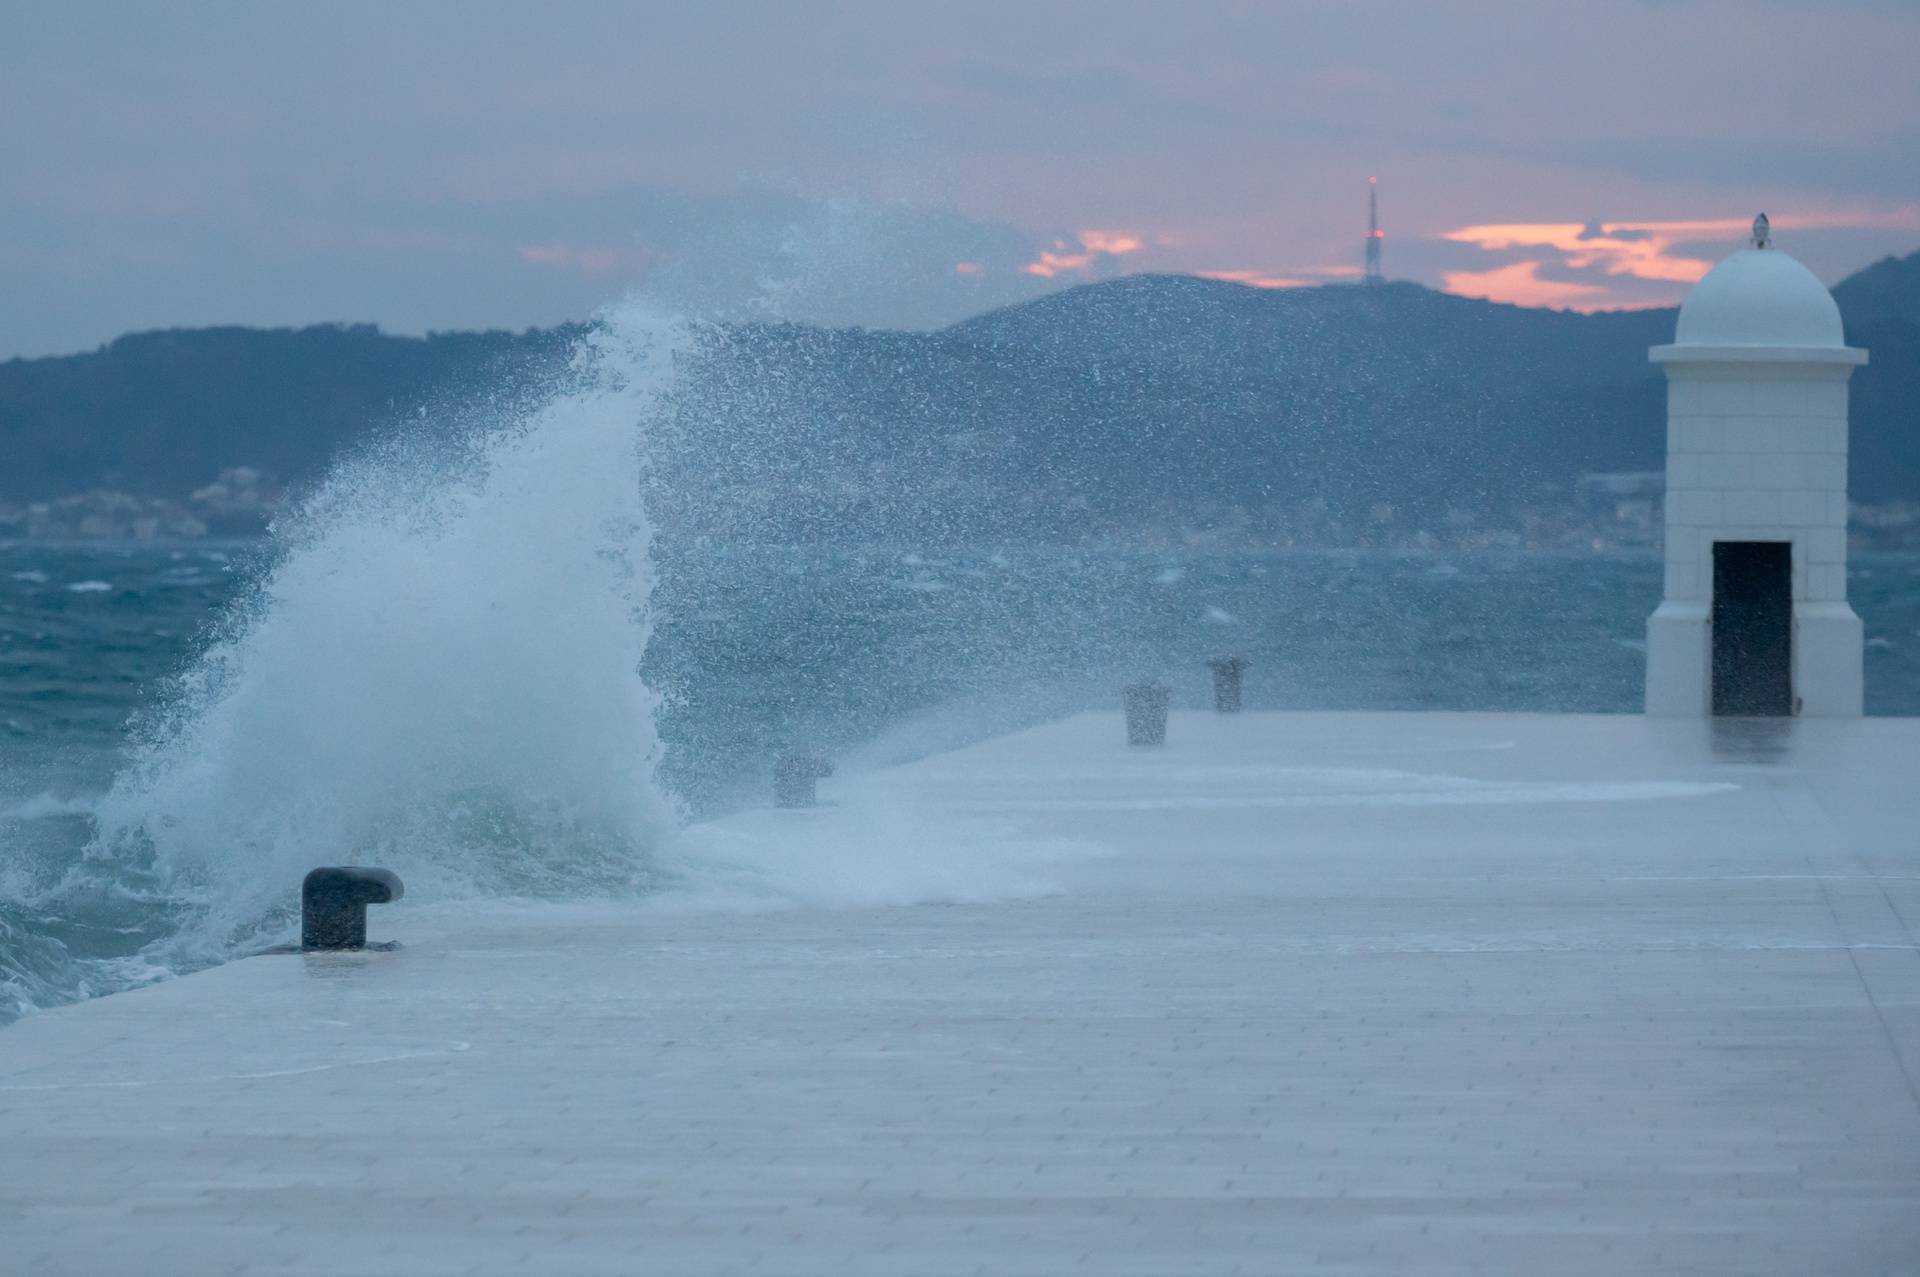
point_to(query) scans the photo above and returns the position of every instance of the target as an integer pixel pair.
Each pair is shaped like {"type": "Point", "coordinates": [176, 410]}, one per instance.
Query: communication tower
{"type": "Point", "coordinates": [1374, 233]}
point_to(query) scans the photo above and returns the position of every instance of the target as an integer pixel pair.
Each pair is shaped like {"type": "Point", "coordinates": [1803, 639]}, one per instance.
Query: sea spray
{"type": "Point", "coordinates": [438, 672]}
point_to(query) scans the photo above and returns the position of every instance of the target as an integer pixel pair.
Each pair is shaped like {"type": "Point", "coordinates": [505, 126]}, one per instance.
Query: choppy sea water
{"type": "Point", "coordinates": [871, 655]}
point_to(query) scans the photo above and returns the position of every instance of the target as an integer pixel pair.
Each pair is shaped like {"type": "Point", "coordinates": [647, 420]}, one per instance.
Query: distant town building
{"type": "Point", "coordinates": [1629, 498]}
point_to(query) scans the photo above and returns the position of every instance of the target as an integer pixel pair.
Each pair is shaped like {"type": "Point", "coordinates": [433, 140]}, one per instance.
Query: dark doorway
{"type": "Point", "coordinates": [1753, 628]}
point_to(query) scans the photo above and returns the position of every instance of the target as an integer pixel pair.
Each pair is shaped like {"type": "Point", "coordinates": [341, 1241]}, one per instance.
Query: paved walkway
{"type": "Point", "coordinates": [1358, 993]}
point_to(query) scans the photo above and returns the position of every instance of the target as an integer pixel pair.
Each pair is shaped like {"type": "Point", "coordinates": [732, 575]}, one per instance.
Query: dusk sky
{"type": "Point", "coordinates": [436, 166]}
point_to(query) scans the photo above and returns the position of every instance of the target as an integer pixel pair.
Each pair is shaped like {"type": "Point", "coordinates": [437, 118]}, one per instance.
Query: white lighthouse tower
{"type": "Point", "coordinates": [1754, 618]}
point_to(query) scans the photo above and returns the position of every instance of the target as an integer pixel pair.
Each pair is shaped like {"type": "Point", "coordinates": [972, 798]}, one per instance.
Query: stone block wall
{"type": "Point", "coordinates": [1757, 455]}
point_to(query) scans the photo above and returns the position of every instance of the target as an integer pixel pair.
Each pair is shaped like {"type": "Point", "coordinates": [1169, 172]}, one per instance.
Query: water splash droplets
{"type": "Point", "coordinates": [439, 672]}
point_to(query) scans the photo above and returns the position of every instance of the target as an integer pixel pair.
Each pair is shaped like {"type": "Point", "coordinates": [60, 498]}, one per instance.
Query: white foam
{"type": "Point", "coordinates": [45, 807]}
{"type": "Point", "coordinates": [1254, 787]}
{"type": "Point", "coordinates": [871, 852]}
{"type": "Point", "coordinates": [1486, 794]}
{"type": "Point", "coordinates": [90, 587]}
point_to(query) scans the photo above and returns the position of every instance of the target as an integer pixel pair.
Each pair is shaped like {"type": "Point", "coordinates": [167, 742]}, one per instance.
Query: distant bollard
{"type": "Point", "coordinates": [1146, 713]}
{"type": "Point", "coordinates": [1226, 682]}
{"type": "Point", "coordinates": [333, 905]}
{"type": "Point", "coordinates": [793, 777]}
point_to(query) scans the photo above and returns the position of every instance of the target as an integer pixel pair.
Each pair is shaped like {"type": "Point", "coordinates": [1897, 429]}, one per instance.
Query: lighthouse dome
{"type": "Point", "coordinates": [1760, 297]}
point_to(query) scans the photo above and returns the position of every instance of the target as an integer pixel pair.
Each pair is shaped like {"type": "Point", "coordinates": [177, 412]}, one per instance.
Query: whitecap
{"type": "Point", "coordinates": [90, 587]}
{"type": "Point", "coordinates": [45, 807]}
{"type": "Point", "coordinates": [878, 850]}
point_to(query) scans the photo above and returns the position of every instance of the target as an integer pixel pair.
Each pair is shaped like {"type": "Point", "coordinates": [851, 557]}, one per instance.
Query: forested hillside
{"type": "Point", "coordinates": [1105, 407]}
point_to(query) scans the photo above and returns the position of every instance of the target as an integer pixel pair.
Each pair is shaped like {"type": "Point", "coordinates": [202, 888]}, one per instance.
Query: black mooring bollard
{"type": "Point", "coordinates": [1146, 705]}
{"type": "Point", "coordinates": [793, 777]}
{"type": "Point", "coordinates": [1226, 682]}
{"type": "Point", "coordinates": [333, 905]}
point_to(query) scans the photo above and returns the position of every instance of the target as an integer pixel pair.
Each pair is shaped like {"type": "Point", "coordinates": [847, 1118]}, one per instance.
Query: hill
{"type": "Point", "coordinates": [162, 412]}
{"type": "Point", "coordinates": [1143, 401]}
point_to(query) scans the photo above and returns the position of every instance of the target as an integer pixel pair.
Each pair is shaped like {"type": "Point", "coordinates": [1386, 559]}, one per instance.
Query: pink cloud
{"type": "Point", "coordinates": [1255, 279]}
{"type": "Point", "coordinates": [1640, 250]}
{"type": "Point", "coordinates": [966, 268]}
{"type": "Point", "coordinates": [589, 259]}
{"type": "Point", "coordinates": [1081, 256]}
{"type": "Point", "coordinates": [1520, 284]}
{"type": "Point", "coordinates": [1636, 250]}
{"type": "Point", "coordinates": [1114, 243]}
{"type": "Point", "coordinates": [1047, 265]}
